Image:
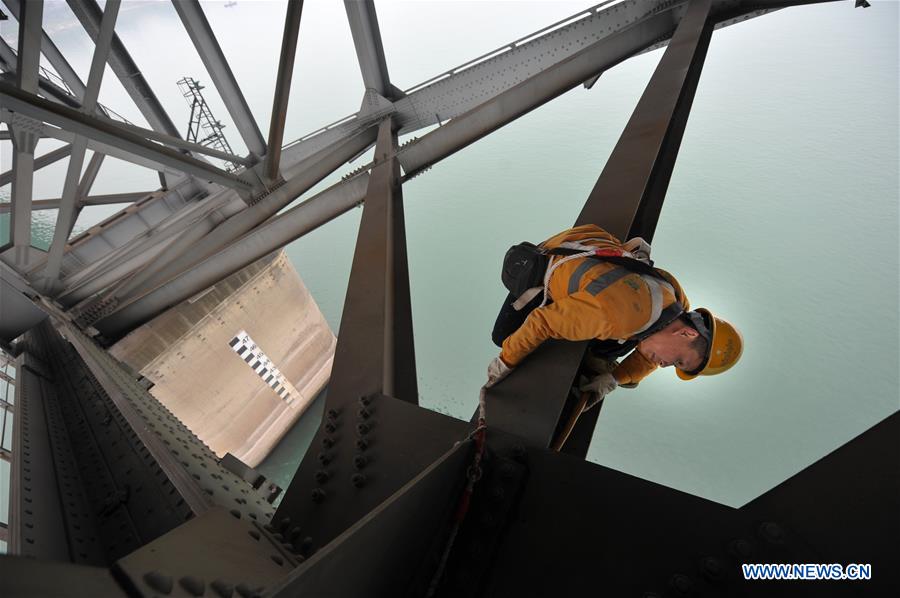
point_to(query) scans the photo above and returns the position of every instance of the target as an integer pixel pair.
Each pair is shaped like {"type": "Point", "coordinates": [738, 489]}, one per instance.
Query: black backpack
{"type": "Point", "coordinates": [525, 264]}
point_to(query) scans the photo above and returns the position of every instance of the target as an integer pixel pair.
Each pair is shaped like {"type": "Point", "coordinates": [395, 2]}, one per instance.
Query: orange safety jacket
{"type": "Point", "coordinates": [595, 300]}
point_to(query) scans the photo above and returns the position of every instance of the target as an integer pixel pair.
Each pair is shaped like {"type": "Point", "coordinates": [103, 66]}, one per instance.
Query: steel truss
{"type": "Point", "coordinates": [381, 502]}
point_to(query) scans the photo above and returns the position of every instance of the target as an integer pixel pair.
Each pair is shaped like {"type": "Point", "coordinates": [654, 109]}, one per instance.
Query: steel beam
{"type": "Point", "coordinates": [53, 55]}
{"type": "Point", "coordinates": [39, 162]}
{"type": "Point", "coordinates": [162, 289]}
{"type": "Point", "coordinates": [411, 517]}
{"type": "Point", "coordinates": [123, 154]}
{"type": "Point", "coordinates": [174, 262]}
{"type": "Point", "coordinates": [628, 197]}
{"type": "Point", "coordinates": [91, 200]}
{"type": "Point", "coordinates": [179, 143]}
{"type": "Point", "coordinates": [456, 91]}
{"type": "Point", "coordinates": [637, 174]}
{"type": "Point", "coordinates": [207, 46]}
{"type": "Point", "coordinates": [65, 218]}
{"type": "Point", "coordinates": [532, 401]}
{"type": "Point", "coordinates": [374, 353]}
{"type": "Point", "coordinates": [272, 235]}
{"type": "Point", "coordinates": [369, 49]}
{"type": "Point", "coordinates": [84, 187]}
{"type": "Point", "coordinates": [283, 86]}
{"type": "Point", "coordinates": [113, 134]}
{"type": "Point", "coordinates": [533, 92]}
{"type": "Point", "coordinates": [8, 58]}
{"type": "Point", "coordinates": [29, 55]}
{"type": "Point", "coordinates": [25, 137]}
{"type": "Point", "coordinates": [119, 261]}
{"type": "Point", "coordinates": [121, 63]}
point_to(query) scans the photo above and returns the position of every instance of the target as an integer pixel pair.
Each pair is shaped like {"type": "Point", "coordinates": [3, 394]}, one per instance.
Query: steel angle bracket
{"type": "Point", "coordinates": [362, 454]}
{"type": "Point", "coordinates": [382, 552]}
{"type": "Point", "coordinates": [219, 550]}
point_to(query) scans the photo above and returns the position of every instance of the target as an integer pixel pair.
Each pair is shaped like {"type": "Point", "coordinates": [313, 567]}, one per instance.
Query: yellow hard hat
{"type": "Point", "coordinates": [725, 347]}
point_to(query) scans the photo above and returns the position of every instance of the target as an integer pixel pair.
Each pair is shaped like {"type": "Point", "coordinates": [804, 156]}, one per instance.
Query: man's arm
{"type": "Point", "coordinates": [633, 369]}
{"type": "Point", "coordinates": [577, 317]}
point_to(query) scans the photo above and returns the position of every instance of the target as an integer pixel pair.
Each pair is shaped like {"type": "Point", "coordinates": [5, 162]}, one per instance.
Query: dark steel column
{"type": "Point", "coordinates": [532, 401]}
{"type": "Point", "coordinates": [637, 173]}
{"type": "Point", "coordinates": [283, 86]}
{"type": "Point", "coordinates": [658, 122]}
{"type": "Point", "coordinates": [374, 354]}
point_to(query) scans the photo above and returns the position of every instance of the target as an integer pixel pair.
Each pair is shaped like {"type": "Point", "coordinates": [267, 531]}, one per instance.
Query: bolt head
{"type": "Point", "coordinates": [740, 548]}
{"type": "Point", "coordinates": [362, 429]}
{"type": "Point", "coordinates": [323, 458]}
{"type": "Point", "coordinates": [507, 470]}
{"type": "Point", "coordinates": [359, 461]}
{"type": "Point", "coordinates": [159, 581]}
{"type": "Point", "coordinates": [328, 442]}
{"type": "Point", "coordinates": [771, 532]}
{"type": "Point", "coordinates": [322, 476]}
{"type": "Point", "coordinates": [358, 479]}
{"type": "Point", "coordinates": [362, 444]}
{"type": "Point", "coordinates": [681, 584]}
{"type": "Point", "coordinates": [318, 495]}
{"type": "Point", "coordinates": [519, 452]}
{"type": "Point", "coordinates": [711, 568]}
{"type": "Point", "coordinates": [193, 585]}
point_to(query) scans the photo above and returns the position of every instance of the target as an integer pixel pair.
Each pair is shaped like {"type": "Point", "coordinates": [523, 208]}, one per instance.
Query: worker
{"type": "Point", "coordinates": [597, 288]}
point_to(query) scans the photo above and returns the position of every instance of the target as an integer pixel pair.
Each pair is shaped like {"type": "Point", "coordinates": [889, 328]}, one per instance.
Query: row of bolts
{"type": "Point", "coordinates": [360, 460]}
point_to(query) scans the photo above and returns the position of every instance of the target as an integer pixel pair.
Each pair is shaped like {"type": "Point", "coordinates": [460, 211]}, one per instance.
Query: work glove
{"type": "Point", "coordinates": [497, 371]}
{"type": "Point", "coordinates": [600, 365]}
{"type": "Point", "coordinates": [598, 387]}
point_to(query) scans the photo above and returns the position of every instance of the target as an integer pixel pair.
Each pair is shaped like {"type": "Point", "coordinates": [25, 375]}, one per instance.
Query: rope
{"type": "Point", "coordinates": [473, 474]}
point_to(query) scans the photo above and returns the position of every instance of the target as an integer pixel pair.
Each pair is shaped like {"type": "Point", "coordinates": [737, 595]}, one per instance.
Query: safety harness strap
{"type": "Point", "coordinates": [599, 284]}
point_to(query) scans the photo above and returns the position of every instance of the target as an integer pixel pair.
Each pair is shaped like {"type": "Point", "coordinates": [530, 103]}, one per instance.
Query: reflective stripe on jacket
{"type": "Point", "coordinates": [595, 300]}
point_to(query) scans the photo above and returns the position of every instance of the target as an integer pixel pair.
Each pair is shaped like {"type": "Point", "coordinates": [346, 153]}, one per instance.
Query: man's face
{"type": "Point", "coordinates": [672, 346]}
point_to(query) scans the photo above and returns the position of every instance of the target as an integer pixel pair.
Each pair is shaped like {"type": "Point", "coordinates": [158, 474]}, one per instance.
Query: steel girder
{"type": "Point", "coordinates": [65, 218]}
{"type": "Point", "coordinates": [153, 295]}
{"type": "Point", "coordinates": [93, 250]}
{"type": "Point", "coordinates": [92, 200]}
{"type": "Point", "coordinates": [54, 56]}
{"type": "Point", "coordinates": [47, 159]}
{"type": "Point", "coordinates": [210, 52]}
{"type": "Point", "coordinates": [272, 235]}
{"type": "Point", "coordinates": [84, 187]}
{"type": "Point", "coordinates": [107, 132]}
{"type": "Point", "coordinates": [24, 135]}
{"type": "Point", "coordinates": [369, 49]}
{"type": "Point", "coordinates": [121, 63]}
{"type": "Point", "coordinates": [459, 90]}
{"type": "Point", "coordinates": [283, 87]}
{"type": "Point", "coordinates": [195, 219]}
{"type": "Point", "coordinates": [374, 354]}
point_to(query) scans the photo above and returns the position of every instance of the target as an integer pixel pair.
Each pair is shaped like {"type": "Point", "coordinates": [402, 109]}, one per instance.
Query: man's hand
{"type": "Point", "coordinates": [497, 371]}
{"type": "Point", "coordinates": [598, 387]}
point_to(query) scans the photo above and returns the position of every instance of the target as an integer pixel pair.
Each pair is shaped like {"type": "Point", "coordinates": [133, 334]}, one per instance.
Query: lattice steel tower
{"type": "Point", "coordinates": [203, 127]}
